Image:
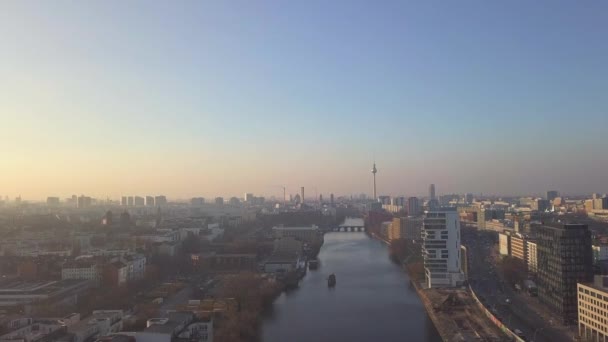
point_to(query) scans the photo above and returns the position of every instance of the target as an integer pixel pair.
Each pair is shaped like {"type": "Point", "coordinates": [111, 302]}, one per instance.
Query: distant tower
{"type": "Point", "coordinates": [302, 190]}
{"type": "Point", "coordinates": [432, 191]}
{"type": "Point", "coordinates": [374, 170]}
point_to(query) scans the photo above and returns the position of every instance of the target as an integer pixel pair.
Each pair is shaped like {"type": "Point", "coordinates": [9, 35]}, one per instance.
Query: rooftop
{"type": "Point", "coordinates": [12, 287]}
{"type": "Point", "coordinates": [296, 228]}
{"type": "Point", "coordinates": [174, 321]}
{"type": "Point", "coordinates": [565, 226]}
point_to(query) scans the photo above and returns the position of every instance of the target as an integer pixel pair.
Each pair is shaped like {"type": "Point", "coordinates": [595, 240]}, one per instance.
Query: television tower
{"type": "Point", "coordinates": [374, 170]}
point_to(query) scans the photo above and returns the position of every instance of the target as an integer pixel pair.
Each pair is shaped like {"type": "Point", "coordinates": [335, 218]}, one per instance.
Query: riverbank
{"type": "Point", "coordinates": [453, 312]}
{"type": "Point", "coordinates": [368, 284]}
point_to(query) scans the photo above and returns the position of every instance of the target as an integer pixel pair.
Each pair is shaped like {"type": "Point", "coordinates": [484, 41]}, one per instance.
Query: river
{"type": "Point", "coordinates": [372, 301]}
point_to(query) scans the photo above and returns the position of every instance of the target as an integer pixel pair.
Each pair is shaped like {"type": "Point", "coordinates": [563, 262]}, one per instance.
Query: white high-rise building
{"type": "Point", "coordinates": [441, 248]}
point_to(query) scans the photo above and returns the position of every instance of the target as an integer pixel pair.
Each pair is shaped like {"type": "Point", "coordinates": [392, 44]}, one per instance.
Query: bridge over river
{"type": "Point", "coordinates": [350, 224]}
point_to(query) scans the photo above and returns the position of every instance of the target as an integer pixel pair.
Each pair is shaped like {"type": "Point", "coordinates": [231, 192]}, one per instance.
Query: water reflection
{"type": "Point", "coordinates": [372, 301]}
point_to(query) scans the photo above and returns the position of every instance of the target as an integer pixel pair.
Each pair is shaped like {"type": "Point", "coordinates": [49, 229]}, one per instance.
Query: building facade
{"type": "Point", "coordinates": [81, 270]}
{"type": "Point", "coordinates": [532, 257]}
{"type": "Point", "coordinates": [600, 252]}
{"type": "Point", "coordinates": [441, 248]}
{"type": "Point", "coordinates": [519, 247]}
{"type": "Point", "coordinates": [565, 258]}
{"type": "Point", "coordinates": [593, 309]}
{"type": "Point", "coordinates": [413, 206]}
{"type": "Point", "coordinates": [304, 234]}
{"type": "Point", "coordinates": [504, 244]}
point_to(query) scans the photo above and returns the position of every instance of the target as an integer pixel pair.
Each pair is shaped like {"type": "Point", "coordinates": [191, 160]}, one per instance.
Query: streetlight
{"type": "Point", "coordinates": [536, 331]}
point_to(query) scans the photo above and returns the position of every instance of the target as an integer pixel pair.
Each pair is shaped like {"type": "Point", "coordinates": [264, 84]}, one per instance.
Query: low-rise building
{"type": "Point", "coordinates": [166, 248]}
{"type": "Point", "coordinates": [304, 234]}
{"type": "Point", "coordinates": [136, 264]}
{"type": "Point", "coordinates": [86, 269]}
{"type": "Point", "coordinates": [35, 330]}
{"type": "Point", "coordinates": [100, 323]}
{"type": "Point", "coordinates": [115, 274]}
{"type": "Point", "coordinates": [15, 293]}
{"type": "Point", "coordinates": [225, 261]}
{"type": "Point", "coordinates": [177, 326]}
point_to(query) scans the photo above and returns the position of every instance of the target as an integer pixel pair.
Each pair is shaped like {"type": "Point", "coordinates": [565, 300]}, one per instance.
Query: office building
{"type": "Point", "coordinates": [83, 201]}
{"type": "Point", "coordinates": [431, 192]}
{"type": "Point", "coordinates": [197, 201]}
{"type": "Point", "coordinates": [468, 198]}
{"type": "Point", "coordinates": [407, 228]}
{"type": "Point", "coordinates": [139, 201]}
{"type": "Point", "coordinates": [331, 200]}
{"type": "Point", "coordinates": [123, 201]}
{"type": "Point", "coordinates": [160, 200]}
{"type": "Point", "coordinates": [565, 258]}
{"type": "Point", "coordinates": [248, 197]}
{"type": "Point", "coordinates": [384, 200]}
{"type": "Point", "coordinates": [441, 248]}
{"type": "Point", "coordinates": [149, 201]}
{"type": "Point", "coordinates": [234, 201]}
{"type": "Point", "coordinates": [219, 200]}
{"type": "Point", "coordinates": [130, 201]}
{"type": "Point", "coordinates": [398, 201]}
{"type": "Point", "coordinates": [598, 203]}
{"type": "Point", "coordinates": [551, 195]}
{"type": "Point", "coordinates": [52, 201]}
{"type": "Point", "coordinates": [532, 257]}
{"type": "Point", "coordinates": [540, 204]}
{"type": "Point", "coordinates": [302, 194]}
{"type": "Point", "coordinates": [593, 309]}
{"type": "Point", "coordinates": [519, 247]}
{"type": "Point", "coordinates": [504, 244]}
{"type": "Point", "coordinates": [413, 206]}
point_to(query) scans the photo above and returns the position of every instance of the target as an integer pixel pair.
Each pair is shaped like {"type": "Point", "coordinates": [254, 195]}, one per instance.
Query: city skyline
{"type": "Point", "coordinates": [216, 98]}
{"type": "Point", "coordinates": [311, 197]}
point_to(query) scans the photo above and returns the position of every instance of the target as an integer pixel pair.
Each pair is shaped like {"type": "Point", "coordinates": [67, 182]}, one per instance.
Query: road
{"type": "Point", "coordinates": [483, 277]}
{"type": "Point", "coordinates": [180, 297]}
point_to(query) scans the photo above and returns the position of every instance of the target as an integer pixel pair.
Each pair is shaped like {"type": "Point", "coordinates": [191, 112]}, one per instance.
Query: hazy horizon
{"type": "Point", "coordinates": [219, 98]}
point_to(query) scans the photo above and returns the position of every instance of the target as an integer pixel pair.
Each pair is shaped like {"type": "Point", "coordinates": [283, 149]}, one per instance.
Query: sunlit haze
{"type": "Point", "coordinates": [215, 98]}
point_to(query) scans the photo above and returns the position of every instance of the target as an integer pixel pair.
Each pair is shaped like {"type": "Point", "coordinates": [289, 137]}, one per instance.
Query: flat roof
{"type": "Point", "coordinates": [37, 288]}
{"type": "Point", "coordinates": [565, 226]}
{"type": "Point", "coordinates": [175, 320]}
{"type": "Point", "coordinates": [296, 228]}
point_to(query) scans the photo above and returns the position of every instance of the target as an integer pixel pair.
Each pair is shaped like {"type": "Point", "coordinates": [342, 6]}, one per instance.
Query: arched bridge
{"type": "Point", "coordinates": [351, 224]}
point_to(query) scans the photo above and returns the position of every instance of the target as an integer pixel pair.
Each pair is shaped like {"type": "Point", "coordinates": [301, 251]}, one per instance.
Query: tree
{"type": "Point", "coordinates": [191, 245]}
{"type": "Point", "coordinates": [513, 270]}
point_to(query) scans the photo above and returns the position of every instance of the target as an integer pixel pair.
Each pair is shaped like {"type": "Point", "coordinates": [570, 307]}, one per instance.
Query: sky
{"type": "Point", "coordinates": [208, 98]}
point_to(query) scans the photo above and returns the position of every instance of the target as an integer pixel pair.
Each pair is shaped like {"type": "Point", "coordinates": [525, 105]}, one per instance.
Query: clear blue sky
{"type": "Point", "coordinates": [222, 97]}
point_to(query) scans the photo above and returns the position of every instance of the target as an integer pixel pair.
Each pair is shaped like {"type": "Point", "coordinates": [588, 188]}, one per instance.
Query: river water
{"type": "Point", "coordinates": [372, 301]}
